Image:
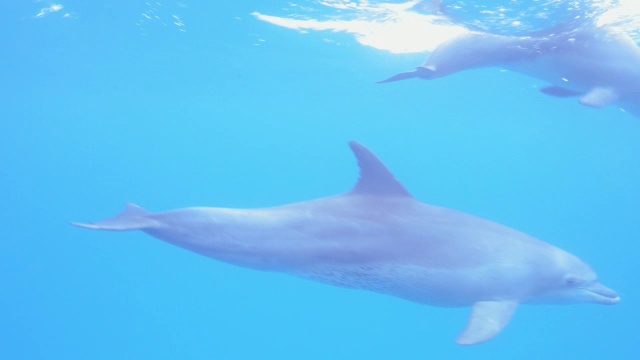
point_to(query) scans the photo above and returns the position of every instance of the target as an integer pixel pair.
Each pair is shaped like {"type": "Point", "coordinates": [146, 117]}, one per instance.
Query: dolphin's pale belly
{"type": "Point", "coordinates": [439, 287]}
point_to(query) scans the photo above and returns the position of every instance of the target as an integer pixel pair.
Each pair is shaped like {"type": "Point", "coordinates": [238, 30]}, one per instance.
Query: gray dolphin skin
{"type": "Point", "coordinates": [600, 65]}
{"type": "Point", "coordinates": [378, 237]}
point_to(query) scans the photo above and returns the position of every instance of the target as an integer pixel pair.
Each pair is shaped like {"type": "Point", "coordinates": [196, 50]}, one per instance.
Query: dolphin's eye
{"type": "Point", "coordinates": [571, 281]}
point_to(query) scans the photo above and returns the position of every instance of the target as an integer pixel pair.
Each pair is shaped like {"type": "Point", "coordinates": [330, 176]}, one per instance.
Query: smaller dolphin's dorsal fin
{"type": "Point", "coordinates": [375, 178]}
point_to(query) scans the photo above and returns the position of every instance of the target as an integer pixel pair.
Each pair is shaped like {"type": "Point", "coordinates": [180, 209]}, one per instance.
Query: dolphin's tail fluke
{"type": "Point", "coordinates": [132, 218]}
{"type": "Point", "coordinates": [420, 72]}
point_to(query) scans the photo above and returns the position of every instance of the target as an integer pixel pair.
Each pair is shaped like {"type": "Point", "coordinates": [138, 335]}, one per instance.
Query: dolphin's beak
{"type": "Point", "coordinates": [601, 294]}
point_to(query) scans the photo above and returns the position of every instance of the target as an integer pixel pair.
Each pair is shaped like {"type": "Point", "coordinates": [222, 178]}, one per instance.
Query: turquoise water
{"type": "Point", "coordinates": [105, 106]}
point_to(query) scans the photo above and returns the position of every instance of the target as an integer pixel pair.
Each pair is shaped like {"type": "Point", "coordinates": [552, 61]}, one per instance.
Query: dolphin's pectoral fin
{"type": "Point", "coordinates": [599, 97]}
{"type": "Point", "coordinates": [420, 72]}
{"type": "Point", "coordinates": [558, 91]}
{"type": "Point", "coordinates": [487, 319]}
{"type": "Point", "coordinates": [132, 218]}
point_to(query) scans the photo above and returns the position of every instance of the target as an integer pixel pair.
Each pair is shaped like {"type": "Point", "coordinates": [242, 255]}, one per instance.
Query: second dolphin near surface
{"type": "Point", "coordinates": [378, 237]}
{"type": "Point", "coordinates": [600, 65]}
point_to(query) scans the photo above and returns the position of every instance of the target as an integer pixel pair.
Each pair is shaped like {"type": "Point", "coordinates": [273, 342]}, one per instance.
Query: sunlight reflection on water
{"type": "Point", "coordinates": [421, 25]}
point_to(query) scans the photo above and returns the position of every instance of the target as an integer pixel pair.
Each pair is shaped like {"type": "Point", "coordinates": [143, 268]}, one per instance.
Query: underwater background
{"type": "Point", "coordinates": [200, 103]}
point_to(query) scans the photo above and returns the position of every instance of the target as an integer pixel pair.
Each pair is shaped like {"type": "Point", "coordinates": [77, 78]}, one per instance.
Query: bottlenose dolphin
{"type": "Point", "coordinates": [378, 237]}
{"type": "Point", "coordinates": [601, 65]}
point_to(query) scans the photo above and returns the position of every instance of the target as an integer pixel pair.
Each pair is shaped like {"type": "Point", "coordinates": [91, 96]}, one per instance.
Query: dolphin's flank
{"type": "Point", "coordinates": [378, 237]}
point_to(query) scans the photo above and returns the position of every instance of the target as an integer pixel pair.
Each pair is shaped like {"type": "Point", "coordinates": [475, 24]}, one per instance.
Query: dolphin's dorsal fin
{"type": "Point", "coordinates": [487, 319]}
{"type": "Point", "coordinates": [375, 178]}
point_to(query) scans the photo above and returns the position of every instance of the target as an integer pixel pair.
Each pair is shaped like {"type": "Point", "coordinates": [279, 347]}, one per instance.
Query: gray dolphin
{"type": "Point", "coordinates": [378, 237]}
{"type": "Point", "coordinates": [601, 65]}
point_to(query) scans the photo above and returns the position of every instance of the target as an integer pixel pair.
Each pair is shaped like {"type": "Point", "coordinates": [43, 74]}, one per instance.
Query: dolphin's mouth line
{"type": "Point", "coordinates": [604, 296]}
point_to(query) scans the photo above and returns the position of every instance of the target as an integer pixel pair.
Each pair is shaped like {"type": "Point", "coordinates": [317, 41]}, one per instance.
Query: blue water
{"type": "Point", "coordinates": [105, 107]}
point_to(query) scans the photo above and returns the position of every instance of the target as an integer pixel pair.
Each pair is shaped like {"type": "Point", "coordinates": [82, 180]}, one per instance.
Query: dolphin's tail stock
{"type": "Point", "coordinates": [420, 72]}
{"type": "Point", "coordinates": [132, 218]}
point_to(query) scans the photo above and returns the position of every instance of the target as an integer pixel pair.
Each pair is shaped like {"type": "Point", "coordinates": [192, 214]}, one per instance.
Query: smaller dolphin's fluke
{"type": "Point", "coordinates": [420, 72]}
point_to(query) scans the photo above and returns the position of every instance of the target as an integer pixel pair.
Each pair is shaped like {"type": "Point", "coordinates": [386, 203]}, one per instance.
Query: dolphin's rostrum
{"type": "Point", "coordinates": [378, 237]}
